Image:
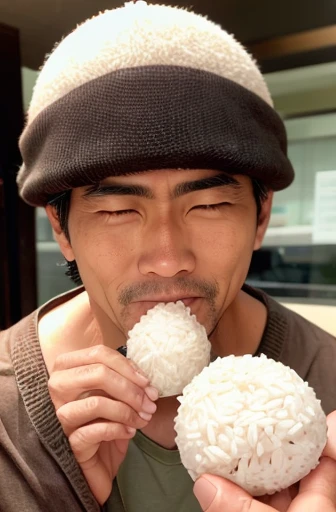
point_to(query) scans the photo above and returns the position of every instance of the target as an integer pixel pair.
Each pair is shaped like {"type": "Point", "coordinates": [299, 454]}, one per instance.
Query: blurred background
{"type": "Point", "coordinates": [295, 45]}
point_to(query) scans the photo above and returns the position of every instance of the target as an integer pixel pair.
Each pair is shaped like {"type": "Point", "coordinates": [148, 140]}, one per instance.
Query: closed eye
{"type": "Point", "coordinates": [116, 213]}
{"type": "Point", "coordinates": [208, 207]}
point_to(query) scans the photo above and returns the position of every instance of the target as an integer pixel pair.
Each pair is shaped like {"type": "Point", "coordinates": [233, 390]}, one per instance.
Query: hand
{"type": "Point", "coordinates": [100, 401]}
{"type": "Point", "coordinates": [316, 492]}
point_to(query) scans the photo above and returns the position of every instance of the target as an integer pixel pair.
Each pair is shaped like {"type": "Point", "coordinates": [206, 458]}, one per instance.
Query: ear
{"type": "Point", "coordinates": [263, 220]}
{"type": "Point", "coordinates": [59, 235]}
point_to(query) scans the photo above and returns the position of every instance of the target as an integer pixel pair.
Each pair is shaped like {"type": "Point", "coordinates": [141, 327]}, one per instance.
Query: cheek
{"type": "Point", "coordinates": [101, 250]}
{"type": "Point", "coordinates": [229, 259]}
{"type": "Point", "coordinates": [231, 246]}
{"type": "Point", "coordinates": [104, 259]}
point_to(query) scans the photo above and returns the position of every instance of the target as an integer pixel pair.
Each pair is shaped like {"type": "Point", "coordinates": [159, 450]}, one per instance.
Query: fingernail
{"type": "Point", "coordinates": [205, 492]}
{"type": "Point", "coordinates": [152, 393]}
{"type": "Point", "coordinates": [145, 416]}
{"type": "Point", "coordinates": [148, 405]}
{"type": "Point", "coordinates": [131, 430]}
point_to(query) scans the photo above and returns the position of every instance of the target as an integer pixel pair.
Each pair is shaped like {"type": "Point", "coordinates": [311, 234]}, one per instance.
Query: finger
{"type": "Point", "coordinates": [317, 490]}
{"type": "Point", "coordinates": [102, 355]}
{"type": "Point", "coordinates": [72, 415]}
{"type": "Point", "coordinates": [279, 501]}
{"type": "Point", "coordinates": [68, 385]}
{"type": "Point", "coordinates": [98, 475]}
{"type": "Point", "coordinates": [86, 440]}
{"type": "Point", "coordinates": [330, 449]}
{"type": "Point", "coordinates": [215, 494]}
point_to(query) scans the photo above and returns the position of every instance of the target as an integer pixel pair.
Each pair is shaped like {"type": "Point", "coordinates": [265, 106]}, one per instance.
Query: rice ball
{"type": "Point", "coordinates": [169, 346]}
{"type": "Point", "coordinates": [253, 421]}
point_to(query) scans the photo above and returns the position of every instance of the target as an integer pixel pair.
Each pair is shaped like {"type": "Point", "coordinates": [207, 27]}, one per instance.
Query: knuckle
{"type": "Point", "coordinates": [106, 430]}
{"type": "Point", "coordinates": [116, 382]}
{"type": "Point", "coordinates": [61, 414]}
{"type": "Point", "coordinates": [63, 417]}
{"type": "Point", "coordinates": [133, 395]}
{"type": "Point", "coordinates": [67, 415]}
{"type": "Point", "coordinates": [116, 357]}
{"type": "Point", "coordinates": [101, 372]}
{"type": "Point", "coordinates": [53, 384]}
{"type": "Point", "coordinates": [77, 441]}
{"type": "Point", "coordinates": [138, 397]}
{"type": "Point", "coordinates": [127, 416]}
{"type": "Point", "coordinates": [60, 361]}
{"type": "Point", "coordinates": [94, 372]}
{"type": "Point", "coordinates": [97, 352]}
{"type": "Point", "coordinates": [92, 403]}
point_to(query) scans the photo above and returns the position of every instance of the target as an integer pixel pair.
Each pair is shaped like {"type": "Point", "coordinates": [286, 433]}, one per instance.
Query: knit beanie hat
{"type": "Point", "coordinates": [148, 87]}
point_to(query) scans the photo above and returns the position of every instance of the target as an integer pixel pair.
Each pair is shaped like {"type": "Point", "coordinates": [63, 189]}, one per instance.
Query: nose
{"type": "Point", "coordinates": [166, 250]}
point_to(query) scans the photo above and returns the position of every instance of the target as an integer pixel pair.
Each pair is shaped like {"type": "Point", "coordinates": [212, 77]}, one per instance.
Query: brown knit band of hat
{"type": "Point", "coordinates": [150, 118]}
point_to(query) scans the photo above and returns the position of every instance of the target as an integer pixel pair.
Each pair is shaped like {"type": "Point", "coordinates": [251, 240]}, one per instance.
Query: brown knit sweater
{"type": "Point", "coordinates": [38, 472]}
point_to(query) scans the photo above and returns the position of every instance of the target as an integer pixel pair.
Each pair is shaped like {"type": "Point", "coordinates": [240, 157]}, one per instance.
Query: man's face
{"type": "Point", "coordinates": [162, 236]}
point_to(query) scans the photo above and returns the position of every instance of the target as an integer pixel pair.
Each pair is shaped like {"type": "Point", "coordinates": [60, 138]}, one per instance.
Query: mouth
{"type": "Point", "coordinates": [141, 307]}
{"type": "Point", "coordinates": [138, 308]}
{"type": "Point", "coordinates": [187, 301]}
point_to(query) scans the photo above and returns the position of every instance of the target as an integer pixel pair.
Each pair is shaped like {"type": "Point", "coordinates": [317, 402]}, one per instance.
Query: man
{"type": "Point", "coordinates": [152, 142]}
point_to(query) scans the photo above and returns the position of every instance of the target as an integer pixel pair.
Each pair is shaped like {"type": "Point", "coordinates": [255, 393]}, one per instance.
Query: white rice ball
{"type": "Point", "coordinates": [253, 421]}
{"type": "Point", "coordinates": [169, 346]}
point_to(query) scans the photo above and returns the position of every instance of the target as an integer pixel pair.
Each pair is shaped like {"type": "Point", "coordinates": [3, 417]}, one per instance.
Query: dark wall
{"type": "Point", "coordinates": [17, 237]}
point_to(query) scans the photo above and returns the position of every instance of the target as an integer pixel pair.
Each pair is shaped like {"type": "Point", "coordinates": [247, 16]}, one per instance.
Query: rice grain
{"type": "Point", "coordinates": [272, 440]}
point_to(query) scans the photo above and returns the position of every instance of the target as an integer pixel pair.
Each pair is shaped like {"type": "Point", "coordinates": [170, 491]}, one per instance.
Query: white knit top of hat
{"type": "Point", "coordinates": [139, 34]}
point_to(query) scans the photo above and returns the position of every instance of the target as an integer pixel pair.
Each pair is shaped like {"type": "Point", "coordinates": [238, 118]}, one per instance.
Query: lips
{"type": "Point", "coordinates": [136, 309]}
{"type": "Point", "coordinates": [157, 300]}
{"type": "Point", "coordinates": [142, 306]}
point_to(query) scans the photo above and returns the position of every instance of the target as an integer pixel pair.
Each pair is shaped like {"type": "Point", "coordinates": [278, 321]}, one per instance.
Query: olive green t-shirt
{"type": "Point", "coordinates": [152, 479]}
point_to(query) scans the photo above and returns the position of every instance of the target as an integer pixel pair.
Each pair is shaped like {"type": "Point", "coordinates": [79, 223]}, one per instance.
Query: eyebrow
{"type": "Point", "coordinates": [219, 180]}
{"type": "Point", "coordinates": [99, 190]}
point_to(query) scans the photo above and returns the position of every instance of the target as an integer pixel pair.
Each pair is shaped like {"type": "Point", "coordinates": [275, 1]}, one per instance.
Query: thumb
{"type": "Point", "coordinates": [330, 449]}
{"type": "Point", "coordinates": [215, 494]}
